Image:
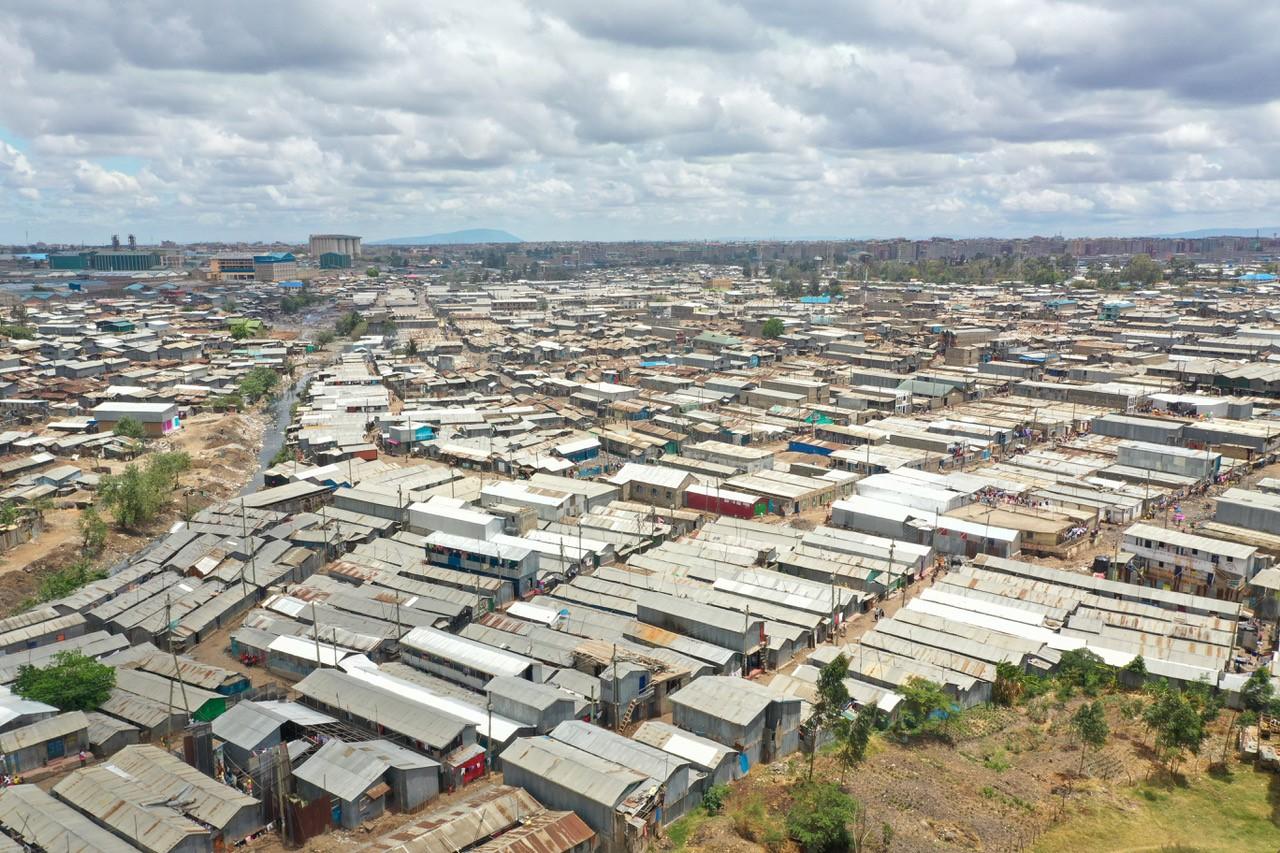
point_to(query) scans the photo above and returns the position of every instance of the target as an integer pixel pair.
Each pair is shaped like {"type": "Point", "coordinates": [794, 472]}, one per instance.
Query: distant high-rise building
{"type": "Point", "coordinates": [342, 244]}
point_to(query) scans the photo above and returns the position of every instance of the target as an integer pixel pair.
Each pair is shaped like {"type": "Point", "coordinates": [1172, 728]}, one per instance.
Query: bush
{"type": "Point", "coordinates": [819, 818]}
{"type": "Point", "coordinates": [139, 494]}
{"type": "Point", "coordinates": [93, 532]}
{"type": "Point", "coordinates": [67, 580]}
{"type": "Point", "coordinates": [72, 682]}
{"type": "Point", "coordinates": [714, 798]}
{"type": "Point", "coordinates": [129, 428]}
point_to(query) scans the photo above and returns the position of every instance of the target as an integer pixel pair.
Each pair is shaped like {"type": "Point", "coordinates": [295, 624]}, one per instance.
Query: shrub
{"type": "Point", "coordinates": [819, 818]}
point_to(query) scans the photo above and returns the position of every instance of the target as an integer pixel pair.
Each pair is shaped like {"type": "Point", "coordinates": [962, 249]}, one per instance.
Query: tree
{"type": "Point", "coordinates": [833, 698]}
{"type": "Point", "coordinates": [1089, 722]}
{"type": "Point", "coordinates": [239, 331]}
{"type": "Point", "coordinates": [1007, 689]}
{"type": "Point", "coordinates": [347, 323]}
{"type": "Point", "coordinates": [73, 682]}
{"type": "Point", "coordinates": [854, 736]}
{"type": "Point", "coordinates": [819, 818]}
{"type": "Point", "coordinates": [129, 428]}
{"type": "Point", "coordinates": [411, 348]}
{"type": "Point", "coordinates": [373, 272]}
{"type": "Point", "coordinates": [325, 338]}
{"type": "Point", "coordinates": [257, 383]}
{"type": "Point", "coordinates": [773, 328]}
{"type": "Point", "coordinates": [93, 532]}
{"type": "Point", "coordinates": [1142, 270]}
{"type": "Point", "coordinates": [921, 698]}
{"type": "Point", "coordinates": [138, 495]}
{"type": "Point", "coordinates": [1136, 670]}
{"type": "Point", "coordinates": [1257, 693]}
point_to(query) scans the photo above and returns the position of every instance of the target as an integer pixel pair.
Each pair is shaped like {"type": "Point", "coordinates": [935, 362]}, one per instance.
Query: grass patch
{"type": "Point", "coordinates": [1208, 814]}
{"type": "Point", "coordinates": [679, 831]}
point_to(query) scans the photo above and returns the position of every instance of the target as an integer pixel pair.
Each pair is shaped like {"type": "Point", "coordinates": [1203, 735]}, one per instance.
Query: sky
{"type": "Point", "coordinates": [635, 119]}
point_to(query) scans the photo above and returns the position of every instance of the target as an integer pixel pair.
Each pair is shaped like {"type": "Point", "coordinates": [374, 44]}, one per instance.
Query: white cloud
{"type": "Point", "coordinates": [667, 118]}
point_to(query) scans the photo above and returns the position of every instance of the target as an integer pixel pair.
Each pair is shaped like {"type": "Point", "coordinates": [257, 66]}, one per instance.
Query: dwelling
{"type": "Point", "coordinates": [157, 419]}
{"type": "Point", "coordinates": [539, 706]}
{"type": "Point", "coordinates": [508, 560]}
{"type": "Point", "coordinates": [682, 783]}
{"type": "Point", "coordinates": [725, 501]}
{"type": "Point", "coordinates": [364, 779]}
{"type": "Point", "coordinates": [509, 818]}
{"type": "Point", "coordinates": [462, 661]}
{"type": "Point", "coordinates": [653, 484]}
{"type": "Point", "coordinates": [1190, 563]}
{"type": "Point", "coordinates": [250, 727]}
{"type": "Point", "coordinates": [758, 723]}
{"type": "Point", "coordinates": [40, 822]}
{"type": "Point", "coordinates": [39, 743]}
{"type": "Point", "coordinates": [132, 795]}
{"type": "Point", "coordinates": [722, 764]}
{"type": "Point", "coordinates": [617, 802]}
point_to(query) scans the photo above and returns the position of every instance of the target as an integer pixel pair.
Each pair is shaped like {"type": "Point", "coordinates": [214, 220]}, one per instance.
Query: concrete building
{"type": "Point", "coordinates": [157, 419]}
{"type": "Point", "coordinates": [275, 266]}
{"type": "Point", "coordinates": [342, 244]}
{"type": "Point", "coordinates": [1186, 562]}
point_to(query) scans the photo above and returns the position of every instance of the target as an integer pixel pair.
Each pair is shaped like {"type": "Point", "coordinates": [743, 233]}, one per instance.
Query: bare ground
{"type": "Point", "coordinates": [223, 449]}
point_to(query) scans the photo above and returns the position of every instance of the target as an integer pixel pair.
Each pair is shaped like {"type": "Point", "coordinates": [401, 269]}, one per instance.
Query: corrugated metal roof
{"type": "Point", "coordinates": [459, 825]}
{"type": "Point", "coordinates": [548, 832]}
{"type": "Point", "coordinates": [45, 730]}
{"type": "Point", "coordinates": [39, 819]}
{"type": "Point", "coordinates": [468, 653]}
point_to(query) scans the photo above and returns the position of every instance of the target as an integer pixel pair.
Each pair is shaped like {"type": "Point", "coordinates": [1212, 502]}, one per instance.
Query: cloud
{"type": "Point", "coordinates": [660, 119]}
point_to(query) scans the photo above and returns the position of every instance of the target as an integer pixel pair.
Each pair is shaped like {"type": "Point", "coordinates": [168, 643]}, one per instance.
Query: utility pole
{"type": "Point", "coordinates": [613, 665]}
{"type": "Point", "coordinates": [833, 608]}
{"type": "Point", "coordinates": [315, 632]}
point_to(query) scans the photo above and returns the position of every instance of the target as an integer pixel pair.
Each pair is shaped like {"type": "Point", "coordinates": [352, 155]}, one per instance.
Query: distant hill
{"type": "Point", "coordinates": [1224, 232]}
{"type": "Point", "coordinates": [470, 235]}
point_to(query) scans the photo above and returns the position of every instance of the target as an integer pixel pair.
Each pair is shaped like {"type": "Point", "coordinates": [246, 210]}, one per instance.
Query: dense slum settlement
{"type": "Point", "coordinates": [600, 534]}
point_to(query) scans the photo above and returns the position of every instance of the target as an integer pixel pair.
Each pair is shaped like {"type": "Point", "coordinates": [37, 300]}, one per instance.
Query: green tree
{"type": "Point", "coordinates": [325, 338]}
{"type": "Point", "coordinates": [139, 494]}
{"type": "Point", "coordinates": [16, 332]}
{"type": "Point", "coordinates": [854, 737]}
{"type": "Point", "coordinates": [921, 698]}
{"type": "Point", "coordinates": [93, 532]}
{"type": "Point", "coordinates": [347, 323]}
{"type": "Point", "coordinates": [773, 328]}
{"type": "Point", "coordinates": [1008, 686]}
{"type": "Point", "coordinates": [1141, 269]}
{"type": "Point", "coordinates": [73, 682]}
{"type": "Point", "coordinates": [1257, 692]}
{"type": "Point", "coordinates": [1089, 723]}
{"type": "Point", "coordinates": [129, 428]}
{"type": "Point", "coordinates": [1081, 668]}
{"type": "Point", "coordinates": [239, 331]}
{"type": "Point", "coordinates": [373, 272]}
{"type": "Point", "coordinates": [819, 818]}
{"type": "Point", "coordinates": [257, 383]}
{"type": "Point", "coordinates": [833, 698]}
{"type": "Point", "coordinates": [411, 348]}
{"type": "Point", "coordinates": [1136, 670]}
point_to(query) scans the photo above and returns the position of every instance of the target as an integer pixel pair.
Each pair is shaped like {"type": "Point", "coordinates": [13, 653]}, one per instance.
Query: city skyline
{"type": "Point", "coordinates": [673, 121]}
